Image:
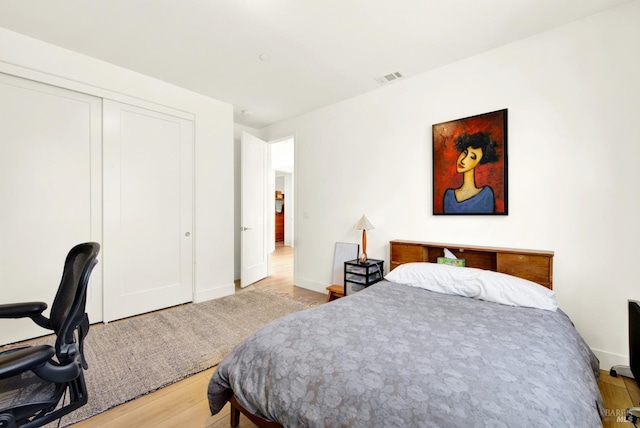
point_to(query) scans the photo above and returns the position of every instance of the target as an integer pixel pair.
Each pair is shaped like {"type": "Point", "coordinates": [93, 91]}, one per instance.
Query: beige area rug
{"type": "Point", "coordinates": [132, 357]}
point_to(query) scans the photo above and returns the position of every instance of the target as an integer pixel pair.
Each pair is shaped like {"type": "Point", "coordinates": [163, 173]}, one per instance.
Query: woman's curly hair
{"type": "Point", "coordinates": [479, 140]}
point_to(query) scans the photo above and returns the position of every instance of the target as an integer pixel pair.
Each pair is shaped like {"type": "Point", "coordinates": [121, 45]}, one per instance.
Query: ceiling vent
{"type": "Point", "coordinates": [391, 77]}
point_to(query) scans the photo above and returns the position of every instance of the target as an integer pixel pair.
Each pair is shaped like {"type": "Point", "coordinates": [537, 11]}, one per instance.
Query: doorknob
{"type": "Point", "coordinates": [242, 228]}
{"type": "Point", "coordinates": [187, 234]}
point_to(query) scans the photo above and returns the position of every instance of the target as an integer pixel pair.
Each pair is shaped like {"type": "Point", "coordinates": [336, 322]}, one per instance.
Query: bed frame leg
{"type": "Point", "coordinates": [235, 416]}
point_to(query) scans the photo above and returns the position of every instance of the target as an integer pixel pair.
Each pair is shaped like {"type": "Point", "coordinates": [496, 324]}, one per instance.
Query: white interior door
{"type": "Point", "coordinates": [148, 210]}
{"type": "Point", "coordinates": [254, 258]}
{"type": "Point", "coordinates": [50, 188]}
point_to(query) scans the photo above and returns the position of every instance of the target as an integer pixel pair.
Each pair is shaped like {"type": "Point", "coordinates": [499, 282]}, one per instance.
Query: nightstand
{"type": "Point", "coordinates": [358, 276]}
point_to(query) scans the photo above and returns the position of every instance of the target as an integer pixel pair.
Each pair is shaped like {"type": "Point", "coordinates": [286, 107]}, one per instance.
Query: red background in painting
{"type": "Point", "coordinates": [445, 157]}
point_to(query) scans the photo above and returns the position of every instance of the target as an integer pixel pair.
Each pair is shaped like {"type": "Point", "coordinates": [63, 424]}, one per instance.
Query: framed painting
{"type": "Point", "coordinates": [344, 252]}
{"type": "Point", "coordinates": [470, 165]}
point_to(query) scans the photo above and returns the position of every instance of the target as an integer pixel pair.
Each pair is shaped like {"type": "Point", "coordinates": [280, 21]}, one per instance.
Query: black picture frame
{"type": "Point", "coordinates": [470, 165]}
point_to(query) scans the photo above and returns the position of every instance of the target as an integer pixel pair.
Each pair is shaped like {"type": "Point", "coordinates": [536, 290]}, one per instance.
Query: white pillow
{"type": "Point", "coordinates": [477, 283]}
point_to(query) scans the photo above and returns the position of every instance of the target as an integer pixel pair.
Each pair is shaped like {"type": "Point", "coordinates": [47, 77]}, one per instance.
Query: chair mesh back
{"type": "Point", "coordinates": [70, 300]}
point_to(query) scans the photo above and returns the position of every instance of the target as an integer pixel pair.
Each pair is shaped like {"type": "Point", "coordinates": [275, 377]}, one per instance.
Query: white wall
{"type": "Point", "coordinates": [213, 233]}
{"type": "Point", "coordinates": [573, 96]}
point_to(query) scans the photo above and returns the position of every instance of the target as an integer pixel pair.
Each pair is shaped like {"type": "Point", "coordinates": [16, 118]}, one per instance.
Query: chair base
{"type": "Point", "coordinates": [46, 411]}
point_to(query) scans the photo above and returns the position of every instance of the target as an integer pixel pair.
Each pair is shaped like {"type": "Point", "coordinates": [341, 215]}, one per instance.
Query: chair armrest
{"type": "Point", "coordinates": [22, 310]}
{"type": "Point", "coordinates": [16, 361]}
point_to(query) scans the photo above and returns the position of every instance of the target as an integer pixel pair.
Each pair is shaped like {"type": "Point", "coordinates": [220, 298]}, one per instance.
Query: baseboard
{"type": "Point", "coordinates": [608, 360]}
{"type": "Point", "coordinates": [214, 293]}
{"type": "Point", "coordinates": [310, 285]}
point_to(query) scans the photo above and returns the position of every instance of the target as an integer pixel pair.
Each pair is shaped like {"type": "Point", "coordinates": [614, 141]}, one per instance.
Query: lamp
{"type": "Point", "coordinates": [364, 224]}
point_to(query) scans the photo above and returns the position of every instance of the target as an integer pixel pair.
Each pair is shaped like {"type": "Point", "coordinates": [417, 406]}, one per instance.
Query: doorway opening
{"type": "Point", "coordinates": [282, 162]}
{"type": "Point", "coordinates": [281, 203]}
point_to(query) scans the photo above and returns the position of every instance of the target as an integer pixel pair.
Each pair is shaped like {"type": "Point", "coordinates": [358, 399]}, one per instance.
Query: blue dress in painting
{"type": "Point", "coordinates": [482, 203]}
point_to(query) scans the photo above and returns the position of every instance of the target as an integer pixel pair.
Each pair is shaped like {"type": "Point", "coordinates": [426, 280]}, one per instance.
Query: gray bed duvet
{"type": "Point", "coordinates": [395, 355]}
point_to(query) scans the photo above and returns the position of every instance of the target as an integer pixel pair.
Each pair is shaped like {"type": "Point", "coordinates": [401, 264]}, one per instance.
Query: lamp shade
{"type": "Point", "coordinates": [364, 224]}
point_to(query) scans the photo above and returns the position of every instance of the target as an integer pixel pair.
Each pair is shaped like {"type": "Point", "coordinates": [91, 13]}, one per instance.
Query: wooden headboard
{"type": "Point", "coordinates": [536, 266]}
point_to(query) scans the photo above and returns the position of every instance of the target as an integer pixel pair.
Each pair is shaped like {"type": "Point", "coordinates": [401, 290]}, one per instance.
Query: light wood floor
{"type": "Point", "coordinates": [184, 404]}
{"type": "Point", "coordinates": [618, 394]}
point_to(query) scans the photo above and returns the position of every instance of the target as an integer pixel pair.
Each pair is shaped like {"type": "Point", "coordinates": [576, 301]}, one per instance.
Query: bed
{"type": "Point", "coordinates": [433, 346]}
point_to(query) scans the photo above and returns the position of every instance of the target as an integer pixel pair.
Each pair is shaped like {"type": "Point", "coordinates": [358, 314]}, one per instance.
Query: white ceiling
{"type": "Point", "coordinates": [319, 51]}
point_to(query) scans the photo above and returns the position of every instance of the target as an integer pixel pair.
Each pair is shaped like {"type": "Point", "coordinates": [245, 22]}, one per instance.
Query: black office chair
{"type": "Point", "coordinates": [34, 379]}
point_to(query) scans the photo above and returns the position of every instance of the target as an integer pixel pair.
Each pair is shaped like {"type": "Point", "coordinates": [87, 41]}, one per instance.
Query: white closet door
{"type": "Point", "coordinates": [50, 193]}
{"type": "Point", "coordinates": [148, 210]}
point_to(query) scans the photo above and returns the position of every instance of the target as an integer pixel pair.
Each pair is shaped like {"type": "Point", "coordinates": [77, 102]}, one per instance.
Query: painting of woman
{"type": "Point", "coordinates": [476, 149]}
{"type": "Point", "coordinates": [469, 165]}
